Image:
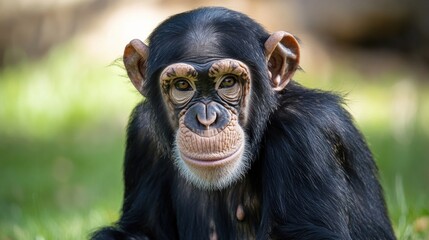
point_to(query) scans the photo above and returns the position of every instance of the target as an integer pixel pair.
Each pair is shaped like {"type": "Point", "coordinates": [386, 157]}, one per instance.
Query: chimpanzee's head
{"type": "Point", "coordinates": [210, 77]}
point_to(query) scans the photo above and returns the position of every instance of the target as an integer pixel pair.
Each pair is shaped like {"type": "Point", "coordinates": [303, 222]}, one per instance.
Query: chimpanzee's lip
{"type": "Point", "coordinates": [213, 161]}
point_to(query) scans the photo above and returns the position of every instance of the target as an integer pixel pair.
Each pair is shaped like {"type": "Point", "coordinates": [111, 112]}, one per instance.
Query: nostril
{"type": "Point", "coordinates": [200, 117]}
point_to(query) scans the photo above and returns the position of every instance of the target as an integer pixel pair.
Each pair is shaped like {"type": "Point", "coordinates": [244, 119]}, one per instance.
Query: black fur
{"type": "Point", "coordinates": [312, 175]}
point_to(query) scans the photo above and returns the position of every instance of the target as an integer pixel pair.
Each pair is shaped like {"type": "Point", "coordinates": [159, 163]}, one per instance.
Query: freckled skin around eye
{"type": "Point", "coordinates": [232, 81]}
{"type": "Point", "coordinates": [177, 84]}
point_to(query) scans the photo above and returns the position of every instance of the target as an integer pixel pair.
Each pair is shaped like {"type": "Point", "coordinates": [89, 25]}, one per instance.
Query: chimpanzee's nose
{"type": "Point", "coordinates": [207, 116]}
{"type": "Point", "coordinates": [204, 116]}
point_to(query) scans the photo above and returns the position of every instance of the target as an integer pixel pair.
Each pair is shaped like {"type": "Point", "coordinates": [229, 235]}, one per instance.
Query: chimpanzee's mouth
{"type": "Point", "coordinates": [213, 159]}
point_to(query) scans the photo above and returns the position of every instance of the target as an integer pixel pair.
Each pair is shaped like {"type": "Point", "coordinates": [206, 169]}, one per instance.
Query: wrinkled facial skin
{"type": "Point", "coordinates": [208, 104]}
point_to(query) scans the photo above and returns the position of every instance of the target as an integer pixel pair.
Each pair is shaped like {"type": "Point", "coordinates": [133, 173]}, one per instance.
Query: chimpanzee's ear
{"type": "Point", "coordinates": [135, 57]}
{"type": "Point", "coordinates": [282, 54]}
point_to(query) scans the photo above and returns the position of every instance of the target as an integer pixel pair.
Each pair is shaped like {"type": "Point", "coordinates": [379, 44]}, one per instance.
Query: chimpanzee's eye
{"type": "Point", "coordinates": [182, 85]}
{"type": "Point", "coordinates": [228, 82]}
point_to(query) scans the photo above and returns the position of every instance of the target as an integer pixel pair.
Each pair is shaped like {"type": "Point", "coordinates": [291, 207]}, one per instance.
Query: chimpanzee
{"type": "Point", "coordinates": [226, 146]}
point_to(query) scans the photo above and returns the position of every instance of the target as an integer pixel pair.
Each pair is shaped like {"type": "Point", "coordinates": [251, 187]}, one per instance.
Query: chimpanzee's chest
{"type": "Point", "coordinates": [230, 214]}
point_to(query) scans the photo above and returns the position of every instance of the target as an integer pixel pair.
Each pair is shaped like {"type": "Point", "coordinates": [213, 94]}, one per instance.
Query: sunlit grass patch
{"type": "Point", "coordinates": [65, 88]}
{"type": "Point", "coordinates": [48, 225]}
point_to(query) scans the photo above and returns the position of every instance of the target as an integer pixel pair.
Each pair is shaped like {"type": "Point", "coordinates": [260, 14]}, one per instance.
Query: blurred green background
{"type": "Point", "coordinates": [64, 101]}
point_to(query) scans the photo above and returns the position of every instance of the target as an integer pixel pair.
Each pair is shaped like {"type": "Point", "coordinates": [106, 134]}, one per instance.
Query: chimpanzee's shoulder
{"type": "Point", "coordinates": [298, 96]}
{"type": "Point", "coordinates": [312, 105]}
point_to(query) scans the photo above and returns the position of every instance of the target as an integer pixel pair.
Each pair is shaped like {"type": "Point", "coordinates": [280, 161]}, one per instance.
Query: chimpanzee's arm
{"type": "Point", "coordinates": [146, 211]}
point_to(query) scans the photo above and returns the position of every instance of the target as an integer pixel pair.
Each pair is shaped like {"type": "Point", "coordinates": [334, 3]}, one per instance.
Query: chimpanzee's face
{"type": "Point", "coordinates": [208, 107]}
{"type": "Point", "coordinates": [207, 96]}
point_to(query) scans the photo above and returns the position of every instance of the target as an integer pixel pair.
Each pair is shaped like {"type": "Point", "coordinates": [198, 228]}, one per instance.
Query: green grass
{"type": "Point", "coordinates": [62, 126]}
{"type": "Point", "coordinates": [59, 188]}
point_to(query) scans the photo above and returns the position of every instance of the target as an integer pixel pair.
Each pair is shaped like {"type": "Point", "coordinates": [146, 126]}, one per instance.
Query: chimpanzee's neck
{"type": "Point", "coordinates": [234, 211]}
